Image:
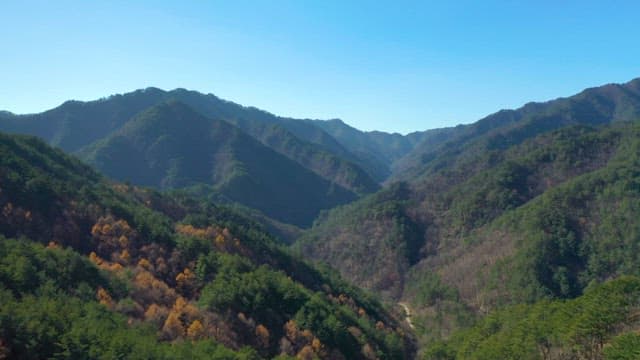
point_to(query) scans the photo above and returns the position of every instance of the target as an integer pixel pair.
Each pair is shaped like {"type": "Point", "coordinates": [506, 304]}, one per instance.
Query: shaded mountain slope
{"type": "Point", "coordinates": [74, 125]}
{"type": "Point", "coordinates": [378, 148]}
{"type": "Point", "coordinates": [172, 146]}
{"type": "Point", "coordinates": [306, 144]}
{"type": "Point", "coordinates": [372, 242]}
{"type": "Point", "coordinates": [110, 269]}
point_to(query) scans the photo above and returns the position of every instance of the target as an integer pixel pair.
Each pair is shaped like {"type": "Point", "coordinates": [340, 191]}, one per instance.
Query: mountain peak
{"type": "Point", "coordinates": [151, 90]}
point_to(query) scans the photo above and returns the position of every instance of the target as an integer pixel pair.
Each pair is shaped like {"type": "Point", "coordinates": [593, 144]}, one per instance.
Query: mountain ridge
{"type": "Point", "coordinates": [607, 103]}
{"type": "Point", "coordinates": [172, 146]}
{"type": "Point", "coordinates": [76, 124]}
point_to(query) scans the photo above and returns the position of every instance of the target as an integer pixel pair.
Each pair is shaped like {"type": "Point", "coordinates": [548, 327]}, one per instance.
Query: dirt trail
{"type": "Point", "coordinates": [407, 312]}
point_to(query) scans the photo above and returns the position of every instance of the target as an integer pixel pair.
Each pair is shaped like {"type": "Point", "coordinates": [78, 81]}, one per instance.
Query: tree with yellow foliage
{"type": "Point", "coordinates": [145, 264]}
{"type": "Point", "coordinates": [148, 289]}
{"type": "Point", "coordinates": [173, 328]}
{"type": "Point", "coordinates": [196, 330]}
{"type": "Point", "coordinates": [95, 258]}
{"type": "Point", "coordinates": [156, 314]}
{"type": "Point", "coordinates": [307, 353]}
{"type": "Point", "coordinates": [113, 236]}
{"type": "Point", "coordinates": [185, 282]}
{"type": "Point", "coordinates": [104, 298]}
{"type": "Point", "coordinates": [316, 345]}
{"type": "Point", "coordinates": [291, 331]}
{"type": "Point", "coordinates": [262, 336]}
{"type": "Point", "coordinates": [125, 257]}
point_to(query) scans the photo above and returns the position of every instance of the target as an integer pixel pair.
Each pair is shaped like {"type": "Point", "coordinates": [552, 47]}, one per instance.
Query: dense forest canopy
{"type": "Point", "coordinates": [94, 269]}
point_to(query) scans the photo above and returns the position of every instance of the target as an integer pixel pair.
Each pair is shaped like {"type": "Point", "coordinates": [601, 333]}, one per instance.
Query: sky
{"type": "Point", "coordinates": [395, 66]}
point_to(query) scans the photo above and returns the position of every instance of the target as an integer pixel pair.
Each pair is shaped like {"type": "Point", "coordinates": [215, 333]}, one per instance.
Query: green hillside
{"type": "Point", "coordinates": [449, 214]}
{"type": "Point", "coordinates": [601, 324]}
{"type": "Point", "coordinates": [172, 146]}
{"type": "Point", "coordinates": [372, 242]}
{"type": "Point", "coordinates": [462, 189]}
{"type": "Point", "coordinates": [93, 269]}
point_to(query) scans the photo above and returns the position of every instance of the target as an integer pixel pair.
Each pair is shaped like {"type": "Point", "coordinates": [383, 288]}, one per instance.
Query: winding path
{"type": "Point", "coordinates": [407, 312]}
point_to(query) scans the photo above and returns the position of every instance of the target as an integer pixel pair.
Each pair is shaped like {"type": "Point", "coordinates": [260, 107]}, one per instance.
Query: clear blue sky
{"type": "Point", "coordinates": [393, 66]}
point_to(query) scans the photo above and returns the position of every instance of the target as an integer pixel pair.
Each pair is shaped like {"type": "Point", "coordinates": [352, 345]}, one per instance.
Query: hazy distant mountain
{"type": "Point", "coordinates": [599, 105]}
{"type": "Point", "coordinates": [308, 145]}
{"type": "Point", "coordinates": [96, 130]}
{"type": "Point", "coordinates": [172, 146]}
{"type": "Point", "coordinates": [379, 149]}
{"type": "Point", "coordinates": [76, 124]}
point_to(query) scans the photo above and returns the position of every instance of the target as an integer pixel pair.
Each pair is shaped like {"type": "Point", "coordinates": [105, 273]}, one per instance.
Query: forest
{"type": "Point", "coordinates": [96, 269]}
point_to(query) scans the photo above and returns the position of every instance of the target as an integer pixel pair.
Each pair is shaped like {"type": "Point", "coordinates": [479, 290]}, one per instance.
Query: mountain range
{"type": "Point", "coordinates": [315, 168]}
{"type": "Point", "coordinates": [488, 233]}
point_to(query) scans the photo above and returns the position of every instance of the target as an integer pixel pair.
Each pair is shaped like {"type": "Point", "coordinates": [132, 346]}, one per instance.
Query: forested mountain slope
{"type": "Point", "coordinates": [75, 125]}
{"type": "Point", "coordinates": [300, 141]}
{"type": "Point", "coordinates": [453, 178]}
{"type": "Point", "coordinates": [172, 146]}
{"type": "Point", "coordinates": [543, 207]}
{"type": "Point", "coordinates": [416, 221]}
{"type": "Point", "coordinates": [91, 268]}
{"type": "Point", "coordinates": [483, 231]}
{"type": "Point", "coordinates": [381, 149]}
{"type": "Point", "coordinates": [599, 105]}
{"type": "Point", "coordinates": [601, 324]}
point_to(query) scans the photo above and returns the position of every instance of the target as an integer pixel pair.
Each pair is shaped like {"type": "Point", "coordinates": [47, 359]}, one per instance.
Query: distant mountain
{"type": "Point", "coordinates": [308, 145]}
{"type": "Point", "coordinates": [293, 169]}
{"type": "Point", "coordinates": [75, 124]}
{"type": "Point", "coordinates": [172, 146]}
{"type": "Point", "coordinates": [594, 106]}
{"type": "Point", "coordinates": [95, 268]}
{"type": "Point", "coordinates": [379, 149]}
